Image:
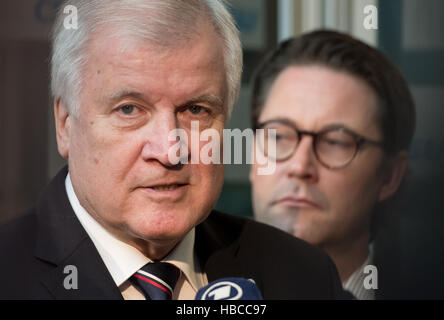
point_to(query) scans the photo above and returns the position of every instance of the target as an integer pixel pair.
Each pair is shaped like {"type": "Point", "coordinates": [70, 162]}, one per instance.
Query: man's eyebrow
{"type": "Point", "coordinates": [210, 99]}
{"type": "Point", "coordinates": [124, 93]}
{"type": "Point", "coordinates": [333, 125]}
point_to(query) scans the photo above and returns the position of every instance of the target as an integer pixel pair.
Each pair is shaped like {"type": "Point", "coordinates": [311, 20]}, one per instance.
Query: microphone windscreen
{"type": "Point", "coordinates": [230, 289]}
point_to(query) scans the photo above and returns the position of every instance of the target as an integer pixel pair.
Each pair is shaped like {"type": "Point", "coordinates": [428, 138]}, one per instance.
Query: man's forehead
{"type": "Point", "coordinates": [315, 97]}
{"type": "Point", "coordinates": [191, 70]}
{"type": "Point", "coordinates": [121, 49]}
{"type": "Point", "coordinates": [147, 73]}
{"type": "Point", "coordinates": [162, 39]}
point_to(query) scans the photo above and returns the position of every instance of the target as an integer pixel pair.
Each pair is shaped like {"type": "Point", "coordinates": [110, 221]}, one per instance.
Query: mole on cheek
{"type": "Point", "coordinates": [96, 161]}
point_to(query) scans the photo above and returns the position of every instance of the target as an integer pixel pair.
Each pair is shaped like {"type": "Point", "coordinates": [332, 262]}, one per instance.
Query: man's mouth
{"type": "Point", "coordinates": [169, 187]}
{"type": "Point", "coordinates": [166, 186]}
{"type": "Point", "coordinates": [294, 201]}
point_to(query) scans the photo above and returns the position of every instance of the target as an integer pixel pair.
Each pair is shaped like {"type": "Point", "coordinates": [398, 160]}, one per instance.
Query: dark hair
{"type": "Point", "coordinates": [343, 53]}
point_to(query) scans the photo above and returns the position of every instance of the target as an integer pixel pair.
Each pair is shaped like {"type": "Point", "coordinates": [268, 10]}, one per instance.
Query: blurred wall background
{"type": "Point", "coordinates": [409, 32]}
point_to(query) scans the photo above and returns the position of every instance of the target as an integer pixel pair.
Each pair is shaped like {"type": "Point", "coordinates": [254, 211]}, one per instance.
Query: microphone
{"type": "Point", "coordinates": [230, 289]}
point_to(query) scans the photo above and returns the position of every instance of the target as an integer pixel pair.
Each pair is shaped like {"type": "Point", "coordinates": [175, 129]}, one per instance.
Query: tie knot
{"type": "Point", "coordinates": [157, 280]}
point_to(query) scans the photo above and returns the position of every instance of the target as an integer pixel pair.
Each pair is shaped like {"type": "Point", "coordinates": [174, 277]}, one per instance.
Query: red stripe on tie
{"type": "Point", "coordinates": [153, 283]}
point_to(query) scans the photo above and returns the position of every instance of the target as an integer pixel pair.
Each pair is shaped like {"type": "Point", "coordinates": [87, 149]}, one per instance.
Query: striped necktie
{"type": "Point", "coordinates": [157, 280]}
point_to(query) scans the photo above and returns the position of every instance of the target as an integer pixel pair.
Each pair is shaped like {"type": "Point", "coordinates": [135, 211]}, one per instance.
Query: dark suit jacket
{"type": "Point", "coordinates": [35, 249]}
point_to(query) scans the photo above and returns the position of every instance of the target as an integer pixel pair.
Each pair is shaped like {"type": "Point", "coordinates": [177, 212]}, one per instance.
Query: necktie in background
{"type": "Point", "coordinates": [157, 280]}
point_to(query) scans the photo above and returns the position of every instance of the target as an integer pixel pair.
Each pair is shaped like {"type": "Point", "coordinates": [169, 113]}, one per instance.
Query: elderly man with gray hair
{"type": "Point", "coordinates": [122, 221]}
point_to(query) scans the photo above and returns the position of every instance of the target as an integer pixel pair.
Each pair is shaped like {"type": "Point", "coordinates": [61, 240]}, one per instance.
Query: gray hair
{"type": "Point", "coordinates": [163, 22]}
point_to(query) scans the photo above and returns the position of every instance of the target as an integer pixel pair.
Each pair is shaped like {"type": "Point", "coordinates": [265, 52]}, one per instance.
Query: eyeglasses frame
{"type": "Point", "coordinates": [359, 139]}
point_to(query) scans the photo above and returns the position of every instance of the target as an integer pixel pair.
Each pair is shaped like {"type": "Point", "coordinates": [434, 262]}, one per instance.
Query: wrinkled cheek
{"type": "Point", "coordinates": [85, 147]}
{"type": "Point", "coordinates": [99, 167]}
{"type": "Point", "coordinates": [112, 157]}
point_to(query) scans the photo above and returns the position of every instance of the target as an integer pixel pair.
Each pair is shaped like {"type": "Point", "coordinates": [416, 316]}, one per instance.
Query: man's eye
{"type": "Point", "coordinates": [128, 109]}
{"type": "Point", "coordinates": [195, 109]}
{"type": "Point", "coordinates": [336, 143]}
{"type": "Point", "coordinates": [280, 137]}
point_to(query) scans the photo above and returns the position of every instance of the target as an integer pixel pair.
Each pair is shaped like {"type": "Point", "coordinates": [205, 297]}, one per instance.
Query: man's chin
{"type": "Point", "coordinates": [155, 244]}
{"type": "Point", "coordinates": [163, 232]}
{"type": "Point", "coordinates": [281, 221]}
{"type": "Point", "coordinates": [159, 234]}
{"type": "Point", "coordinates": [309, 233]}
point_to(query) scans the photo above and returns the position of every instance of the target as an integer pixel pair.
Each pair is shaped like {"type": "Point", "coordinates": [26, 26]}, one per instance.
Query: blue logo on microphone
{"type": "Point", "coordinates": [230, 289]}
{"type": "Point", "coordinates": [224, 290]}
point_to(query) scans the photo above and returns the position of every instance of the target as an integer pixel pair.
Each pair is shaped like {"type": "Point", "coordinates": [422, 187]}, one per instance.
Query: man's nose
{"type": "Point", "coordinates": [303, 163]}
{"type": "Point", "coordinates": [157, 144]}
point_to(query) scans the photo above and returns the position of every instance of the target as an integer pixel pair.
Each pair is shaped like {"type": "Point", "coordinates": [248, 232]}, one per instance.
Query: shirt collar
{"type": "Point", "coordinates": [355, 283]}
{"type": "Point", "coordinates": [123, 260]}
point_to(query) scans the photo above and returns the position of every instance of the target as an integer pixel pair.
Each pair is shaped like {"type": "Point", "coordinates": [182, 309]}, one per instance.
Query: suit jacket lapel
{"type": "Point", "coordinates": [93, 280]}
{"type": "Point", "coordinates": [62, 242]}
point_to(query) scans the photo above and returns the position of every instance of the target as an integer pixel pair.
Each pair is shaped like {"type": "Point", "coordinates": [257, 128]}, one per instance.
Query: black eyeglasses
{"type": "Point", "coordinates": [335, 147]}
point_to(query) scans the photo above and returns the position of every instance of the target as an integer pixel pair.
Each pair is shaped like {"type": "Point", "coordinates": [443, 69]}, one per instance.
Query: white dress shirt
{"type": "Point", "coordinates": [123, 260]}
{"type": "Point", "coordinates": [355, 283]}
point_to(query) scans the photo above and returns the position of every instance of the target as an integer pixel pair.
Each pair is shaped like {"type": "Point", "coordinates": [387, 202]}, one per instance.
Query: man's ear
{"type": "Point", "coordinates": [63, 127]}
{"type": "Point", "coordinates": [393, 175]}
